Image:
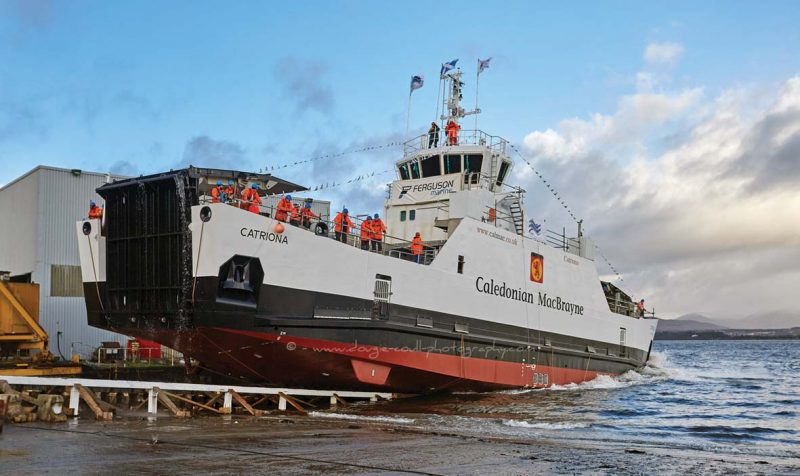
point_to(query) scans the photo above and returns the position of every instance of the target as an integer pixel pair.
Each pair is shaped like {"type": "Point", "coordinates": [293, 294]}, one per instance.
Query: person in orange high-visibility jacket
{"type": "Point", "coordinates": [294, 218]}
{"type": "Point", "coordinates": [366, 233]}
{"type": "Point", "coordinates": [217, 193]}
{"type": "Point", "coordinates": [251, 198]}
{"type": "Point", "coordinates": [284, 208]}
{"type": "Point", "coordinates": [342, 225]}
{"type": "Point", "coordinates": [452, 129]}
{"type": "Point", "coordinates": [378, 228]}
{"type": "Point", "coordinates": [94, 210]}
{"type": "Point", "coordinates": [229, 192]}
{"type": "Point", "coordinates": [416, 247]}
{"type": "Point", "coordinates": [307, 215]}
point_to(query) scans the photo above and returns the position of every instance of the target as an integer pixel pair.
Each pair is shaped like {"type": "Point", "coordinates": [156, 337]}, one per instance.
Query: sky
{"type": "Point", "coordinates": [671, 128]}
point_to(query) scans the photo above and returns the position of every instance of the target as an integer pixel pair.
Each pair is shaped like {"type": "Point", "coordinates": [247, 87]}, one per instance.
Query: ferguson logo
{"type": "Point", "coordinates": [435, 188]}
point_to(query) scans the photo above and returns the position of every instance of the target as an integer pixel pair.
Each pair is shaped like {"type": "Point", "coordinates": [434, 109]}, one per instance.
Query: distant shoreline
{"type": "Point", "coordinates": [738, 334]}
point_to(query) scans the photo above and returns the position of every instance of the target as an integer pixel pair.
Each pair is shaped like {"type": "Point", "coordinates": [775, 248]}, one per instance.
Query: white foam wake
{"type": "Point", "coordinates": [544, 425]}
{"type": "Point", "coordinates": [346, 416]}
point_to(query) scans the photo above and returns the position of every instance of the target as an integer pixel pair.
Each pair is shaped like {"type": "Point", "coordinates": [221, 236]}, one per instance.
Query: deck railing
{"type": "Point", "coordinates": [464, 137]}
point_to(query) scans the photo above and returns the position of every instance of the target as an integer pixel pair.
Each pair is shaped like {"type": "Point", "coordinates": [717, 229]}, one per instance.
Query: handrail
{"type": "Point", "coordinates": [464, 137]}
{"type": "Point", "coordinates": [357, 225]}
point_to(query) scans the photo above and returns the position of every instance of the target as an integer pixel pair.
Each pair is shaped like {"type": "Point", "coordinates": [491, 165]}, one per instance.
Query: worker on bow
{"type": "Point", "coordinates": [94, 210]}
{"type": "Point", "coordinates": [251, 198]}
{"type": "Point", "coordinates": [294, 216]}
{"type": "Point", "coordinates": [366, 233]}
{"type": "Point", "coordinates": [218, 193]}
{"type": "Point", "coordinates": [342, 225]}
{"type": "Point", "coordinates": [306, 214]}
{"type": "Point", "coordinates": [229, 193]}
{"type": "Point", "coordinates": [284, 208]}
{"type": "Point", "coordinates": [378, 229]}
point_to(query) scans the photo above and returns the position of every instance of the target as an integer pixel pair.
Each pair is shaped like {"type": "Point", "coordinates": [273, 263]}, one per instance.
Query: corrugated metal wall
{"type": "Point", "coordinates": [18, 222]}
{"type": "Point", "coordinates": [63, 199]}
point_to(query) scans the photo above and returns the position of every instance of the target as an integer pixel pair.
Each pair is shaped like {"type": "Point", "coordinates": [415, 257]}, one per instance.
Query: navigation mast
{"type": "Point", "coordinates": [452, 104]}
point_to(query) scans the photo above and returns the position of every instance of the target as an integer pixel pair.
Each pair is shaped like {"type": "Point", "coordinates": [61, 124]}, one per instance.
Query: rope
{"type": "Point", "coordinates": [197, 265]}
{"type": "Point", "coordinates": [553, 191]}
{"type": "Point", "coordinates": [94, 271]}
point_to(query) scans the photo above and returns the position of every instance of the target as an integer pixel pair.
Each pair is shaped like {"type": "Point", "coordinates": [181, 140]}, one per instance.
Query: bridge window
{"type": "Point", "coordinates": [431, 166]}
{"type": "Point", "coordinates": [403, 215]}
{"type": "Point", "coordinates": [404, 172]}
{"type": "Point", "coordinates": [452, 164]}
{"type": "Point", "coordinates": [503, 171]}
{"type": "Point", "coordinates": [472, 168]}
{"type": "Point", "coordinates": [412, 215]}
{"type": "Point", "coordinates": [414, 169]}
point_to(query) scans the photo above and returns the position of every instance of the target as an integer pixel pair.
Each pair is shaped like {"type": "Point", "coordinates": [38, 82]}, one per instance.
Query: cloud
{"type": "Point", "coordinates": [694, 199]}
{"type": "Point", "coordinates": [304, 82]}
{"type": "Point", "coordinates": [663, 53]}
{"type": "Point", "coordinates": [203, 151]}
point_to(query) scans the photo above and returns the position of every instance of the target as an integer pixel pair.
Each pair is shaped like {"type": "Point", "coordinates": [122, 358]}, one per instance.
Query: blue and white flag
{"type": "Point", "coordinates": [448, 66]}
{"type": "Point", "coordinates": [483, 64]}
{"type": "Point", "coordinates": [534, 228]}
{"type": "Point", "coordinates": [416, 82]}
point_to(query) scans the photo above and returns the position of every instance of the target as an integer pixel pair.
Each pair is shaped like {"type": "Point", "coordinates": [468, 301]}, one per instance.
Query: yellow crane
{"type": "Point", "coordinates": [23, 342]}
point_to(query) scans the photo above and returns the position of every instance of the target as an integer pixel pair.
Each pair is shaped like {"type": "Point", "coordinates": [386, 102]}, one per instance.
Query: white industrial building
{"type": "Point", "coordinates": [38, 212]}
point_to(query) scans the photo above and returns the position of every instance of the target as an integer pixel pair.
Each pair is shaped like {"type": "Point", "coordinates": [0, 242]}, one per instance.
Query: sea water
{"type": "Point", "coordinates": [719, 397]}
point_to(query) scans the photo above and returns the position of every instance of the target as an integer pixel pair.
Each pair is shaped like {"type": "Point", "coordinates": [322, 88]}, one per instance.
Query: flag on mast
{"type": "Point", "coordinates": [448, 66]}
{"type": "Point", "coordinates": [416, 82]}
{"type": "Point", "coordinates": [483, 64]}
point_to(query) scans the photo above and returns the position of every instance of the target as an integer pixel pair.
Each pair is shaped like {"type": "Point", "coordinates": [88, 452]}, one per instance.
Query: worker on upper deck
{"type": "Point", "coordinates": [218, 193]}
{"type": "Point", "coordinates": [416, 247]}
{"type": "Point", "coordinates": [433, 135]}
{"type": "Point", "coordinates": [452, 129]}
{"type": "Point", "coordinates": [94, 210]}
{"type": "Point", "coordinates": [342, 225]}
{"type": "Point", "coordinates": [640, 308]}
{"type": "Point", "coordinates": [306, 214]}
{"type": "Point", "coordinates": [251, 198]}
{"type": "Point", "coordinates": [366, 233]}
{"type": "Point", "coordinates": [378, 228]}
{"type": "Point", "coordinates": [284, 208]}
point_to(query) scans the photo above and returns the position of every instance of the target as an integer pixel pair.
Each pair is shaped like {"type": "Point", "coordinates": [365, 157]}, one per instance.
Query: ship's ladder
{"type": "Point", "coordinates": [517, 216]}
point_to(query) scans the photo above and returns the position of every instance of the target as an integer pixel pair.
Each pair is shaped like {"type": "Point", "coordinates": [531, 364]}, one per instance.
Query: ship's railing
{"type": "Point", "coordinates": [464, 137]}
{"type": "Point", "coordinates": [324, 226]}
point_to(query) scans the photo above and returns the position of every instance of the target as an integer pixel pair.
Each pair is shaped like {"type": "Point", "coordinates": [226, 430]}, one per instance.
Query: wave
{"type": "Point", "coordinates": [346, 416]}
{"type": "Point", "coordinates": [545, 425]}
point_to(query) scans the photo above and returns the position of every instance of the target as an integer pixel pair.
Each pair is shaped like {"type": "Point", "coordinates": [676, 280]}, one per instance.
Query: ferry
{"type": "Point", "coordinates": [485, 307]}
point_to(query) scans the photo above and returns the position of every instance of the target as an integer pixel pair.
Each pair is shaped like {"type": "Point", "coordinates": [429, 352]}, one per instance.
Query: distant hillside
{"type": "Point", "coordinates": [698, 318]}
{"type": "Point", "coordinates": [682, 324]}
{"type": "Point", "coordinates": [766, 320]}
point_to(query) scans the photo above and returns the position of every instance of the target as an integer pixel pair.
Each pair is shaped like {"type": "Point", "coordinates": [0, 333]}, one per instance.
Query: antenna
{"type": "Point", "coordinates": [453, 110]}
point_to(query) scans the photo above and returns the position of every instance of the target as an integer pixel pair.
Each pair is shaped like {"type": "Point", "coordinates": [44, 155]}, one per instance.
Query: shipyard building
{"type": "Point", "coordinates": [38, 244]}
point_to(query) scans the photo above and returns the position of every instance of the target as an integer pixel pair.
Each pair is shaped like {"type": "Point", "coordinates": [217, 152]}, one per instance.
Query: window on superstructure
{"type": "Point", "coordinates": [403, 215]}
{"type": "Point", "coordinates": [472, 168]}
{"type": "Point", "coordinates": [404, 172]}
{"type": "Point", "coordinates": [412, 215]}
{"type": "Point", "coordinates": [503, 171]}
{"type": "Point", "coordinates": [460, 264]}
{"type": "Point", "coordinates": [452, 164]}
{"type": "Point", "coordinates": [431, 166]}
{"type": "Point", "coordinates": [414, 169]}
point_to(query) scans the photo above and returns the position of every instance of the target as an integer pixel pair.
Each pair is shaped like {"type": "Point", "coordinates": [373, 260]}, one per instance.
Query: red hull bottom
{"type": "Point", "coordinates": [283, 360]}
